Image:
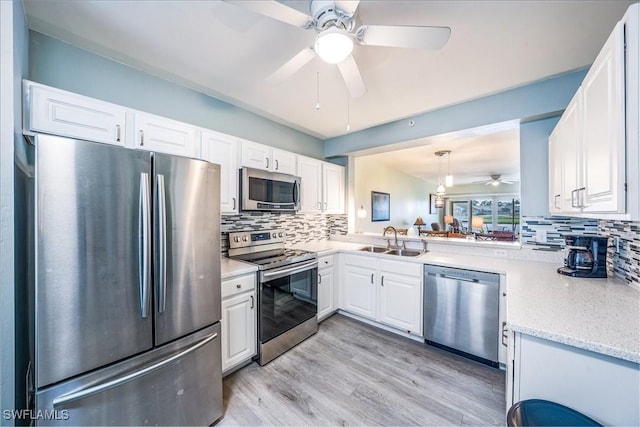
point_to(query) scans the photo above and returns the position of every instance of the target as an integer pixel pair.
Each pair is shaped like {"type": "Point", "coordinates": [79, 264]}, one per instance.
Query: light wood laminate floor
{"type": "Point", "coordinates": [350, 373]}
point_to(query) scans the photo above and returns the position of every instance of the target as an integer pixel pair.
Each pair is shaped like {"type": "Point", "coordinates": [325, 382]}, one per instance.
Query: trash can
{"type": "Point", "coordinates": [537, 412]}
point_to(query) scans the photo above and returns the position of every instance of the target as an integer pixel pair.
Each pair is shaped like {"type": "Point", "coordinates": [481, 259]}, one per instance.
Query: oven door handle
{"type": "Point", "coordinates": [278, 273]}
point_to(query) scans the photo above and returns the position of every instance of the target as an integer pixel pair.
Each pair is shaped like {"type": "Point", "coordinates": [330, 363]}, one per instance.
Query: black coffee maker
{"type": "Point", "coordinates": [586, 256]}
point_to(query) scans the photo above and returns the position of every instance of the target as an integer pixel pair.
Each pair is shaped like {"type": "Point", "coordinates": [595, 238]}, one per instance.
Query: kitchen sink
{"type": "Point", "coordinates": [374, 249]}
{"type": "Point", "coordinates": [403, 252]}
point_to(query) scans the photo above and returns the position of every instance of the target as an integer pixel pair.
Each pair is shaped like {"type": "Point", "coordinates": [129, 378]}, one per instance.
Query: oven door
{"type": "Point", "coordinates": [288, 297]}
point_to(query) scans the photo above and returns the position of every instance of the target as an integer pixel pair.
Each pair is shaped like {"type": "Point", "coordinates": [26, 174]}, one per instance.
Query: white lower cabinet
{"type": "Point", "coordinates": [601, 387]}
{"type": "Point", "coordinates": [326, 284]}
{"type": "Point", "coordinates": [387, 291]}
{"type": "Point", "coordinates": [239, 318]}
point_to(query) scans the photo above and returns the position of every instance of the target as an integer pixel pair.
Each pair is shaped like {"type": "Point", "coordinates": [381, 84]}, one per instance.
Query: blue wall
{"type": "Point", "coordinates": [67, 67]}
{"type": "Point", "coordinates": [534, 100]}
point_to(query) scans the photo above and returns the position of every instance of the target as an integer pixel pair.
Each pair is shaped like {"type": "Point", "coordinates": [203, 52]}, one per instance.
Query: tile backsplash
{"type": "Point", "coordinates": [299, 227]}
{"type": "Point", "coordinates": [626, 262]}
{"type": "Point", "coordinates": [554, 228]}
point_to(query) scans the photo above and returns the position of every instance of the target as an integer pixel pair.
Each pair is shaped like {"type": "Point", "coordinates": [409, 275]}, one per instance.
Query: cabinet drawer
{"type": "Point", "coordinates": [402, 267]}
{"type": "Point", "coordinates": [237, 285]}
{"type": "Point", "coordinates": [325, 261]}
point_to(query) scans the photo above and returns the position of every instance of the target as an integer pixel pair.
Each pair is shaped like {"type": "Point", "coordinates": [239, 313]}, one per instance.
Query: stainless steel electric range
{"type": "Point", "coordinates": [287, 292]}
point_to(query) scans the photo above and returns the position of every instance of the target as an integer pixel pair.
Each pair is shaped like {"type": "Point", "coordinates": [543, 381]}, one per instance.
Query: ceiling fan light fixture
{"type": "Point", "coordinates": [333, 45]}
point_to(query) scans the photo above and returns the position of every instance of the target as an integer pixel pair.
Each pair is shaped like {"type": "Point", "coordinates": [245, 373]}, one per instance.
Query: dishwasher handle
{"type": "Point", "coordinates": [470, 276]}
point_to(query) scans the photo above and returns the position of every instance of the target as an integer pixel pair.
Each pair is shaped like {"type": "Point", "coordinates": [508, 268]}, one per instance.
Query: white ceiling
{"type": "Point", "coordinates": [475, 155]}
{"type": "Point", "coordinates": [227, 52]}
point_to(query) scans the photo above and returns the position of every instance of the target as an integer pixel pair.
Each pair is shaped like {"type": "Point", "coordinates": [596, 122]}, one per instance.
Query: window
{"type": "Point", "coordinates": [500, 212]}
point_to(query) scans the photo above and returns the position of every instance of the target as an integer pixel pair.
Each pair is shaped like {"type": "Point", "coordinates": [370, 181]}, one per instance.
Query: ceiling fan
{"type": "Point", "coordinates": [335, 25]}
{"type": "Point", "coordinates": [495, 180]}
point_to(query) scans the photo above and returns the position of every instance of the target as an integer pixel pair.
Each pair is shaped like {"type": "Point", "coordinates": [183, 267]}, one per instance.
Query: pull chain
{"type": "Point", "coordinates": [318, 90]}
{"type": "Point", "coordinates": [348, 114]}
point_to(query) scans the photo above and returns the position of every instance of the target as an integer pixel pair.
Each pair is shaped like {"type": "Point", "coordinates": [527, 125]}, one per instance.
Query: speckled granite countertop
{"type": "Point", "coordinates": [600, 315]}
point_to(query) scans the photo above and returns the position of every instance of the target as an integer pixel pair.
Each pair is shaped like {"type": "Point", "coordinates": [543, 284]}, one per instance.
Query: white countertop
{"type": "Point", "coordinates": [600, 315]}
{"type": "Point", "coordinates": [230, 268]}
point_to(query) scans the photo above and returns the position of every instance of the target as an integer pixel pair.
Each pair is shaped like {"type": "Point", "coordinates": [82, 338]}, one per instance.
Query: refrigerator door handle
{"type": "Point", "coordinates": [162, 246]}
{"type": "Point", "coordinates": [144, 240]}
{"type": "Point", "coordinates": [99, 388]}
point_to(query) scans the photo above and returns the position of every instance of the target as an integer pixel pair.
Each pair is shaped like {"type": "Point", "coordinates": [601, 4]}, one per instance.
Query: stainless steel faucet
{"type": "Point", "coordinates": [395, 237]}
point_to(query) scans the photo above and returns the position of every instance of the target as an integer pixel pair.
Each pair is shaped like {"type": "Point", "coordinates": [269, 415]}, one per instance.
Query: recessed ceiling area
{"type": "Point", "coordinates": [228, 52]}
{"type": "Point", "coordinates": [475, 155]}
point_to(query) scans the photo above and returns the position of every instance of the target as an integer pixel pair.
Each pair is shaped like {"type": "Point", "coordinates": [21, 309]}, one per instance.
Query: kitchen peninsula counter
{"type": "Point", "coordinates": [599, 315]}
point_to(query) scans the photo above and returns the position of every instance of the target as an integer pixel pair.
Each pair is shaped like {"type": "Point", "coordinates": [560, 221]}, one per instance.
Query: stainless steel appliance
{"type": "Point", "coordinates": [268, 191]}
{"type": "Point", "coordinates": [461, 312]}
{"type": "Point", "coordinates": [126, 285]}
{"type": "Point", "coordinates": [586, 256]}
{"type": "Point", "coordinates": [288, 291]}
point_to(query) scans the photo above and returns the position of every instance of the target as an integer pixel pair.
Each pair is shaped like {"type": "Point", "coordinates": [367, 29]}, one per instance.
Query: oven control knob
{"type": "Point", "coordinates": [279, 234]}
{"type": "Point", "coordinates": [274, 235]}
{"type": "Point", "coordinates": [236, 239]}
{"type": "Point", "coordinates": [244, 238]}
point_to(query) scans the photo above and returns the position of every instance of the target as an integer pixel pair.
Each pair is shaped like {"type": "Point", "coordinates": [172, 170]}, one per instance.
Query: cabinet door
{"type": "Point", "coordinates": [603, 141]}
{"type": "Point", "coordinates": [310, 172]}
{"type": "Point", "coordinates": [360, 290]}
{"type": "Point", "coordinates": [256, 155]}
{"type": "Point", "coordinates": [570, 136]}
{"type": "Point", "coordinates": [154, 133]}
{"type": "Point", "coordinates": [223, 149]}
{"type": "Point", "coordinates": [284, 162]}
{"type": "Point", "coordinates": [67, 114]}
{"type": "Point", "coordinates": [399, 302]}
{"type": "Point", "coordinates": [333, 188]}
{"type": "Point", "coordinates": [325, 292]}
{"type": "Point", "coordinates": [238, 329]}
{"type": "Point", "coordinates": [555, 172]}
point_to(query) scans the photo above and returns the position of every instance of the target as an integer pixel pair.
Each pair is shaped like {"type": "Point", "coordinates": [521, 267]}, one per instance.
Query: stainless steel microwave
{"type": "Point", "coordinates": [268, 191]}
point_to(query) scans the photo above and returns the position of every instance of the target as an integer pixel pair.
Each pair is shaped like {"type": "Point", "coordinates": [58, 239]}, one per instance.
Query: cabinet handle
{"type": "Point", "coordinates": [234, 203]}
{"type": "Point", "coordinates": [505, 334]}
{"type": "Point", "coordinates": [372, 278]}
{"type": "Point", "coordinates": [382, 281]}
{"type": "Point", "coordinates": [574, 198]}
{"type": "Point", "coordinates": [141, 137]}
{"type": "Point", "coordinates": [118, 133]}
{"type": "Point", "coordinates": [326, 206]}
{"type": "Point", "coordinates": [319, 279]}
{"type": "Point", "coordinates": [267, 163]}
{"type": "Point", "coordinates": [277, 164]}
{"type": "Point", "coordinates": [581, 199]}
{"type": "Point", "coordinates": [252, 302]}
{"type": "Point", "coordinates": [238, 286]}
{"type": "Point", "coordinates": [555, 201]}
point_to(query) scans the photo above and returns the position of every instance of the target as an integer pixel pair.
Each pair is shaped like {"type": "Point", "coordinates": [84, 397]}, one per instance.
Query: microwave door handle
{"type": "Point", "coordinates": [296, 192]}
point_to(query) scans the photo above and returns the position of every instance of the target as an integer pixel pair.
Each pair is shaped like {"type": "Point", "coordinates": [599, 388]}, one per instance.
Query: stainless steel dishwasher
{"type": "Point", "coordinates": [461, 309]}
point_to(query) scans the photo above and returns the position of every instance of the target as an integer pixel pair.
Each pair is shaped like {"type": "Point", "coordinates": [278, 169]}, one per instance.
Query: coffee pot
{"type": "Point", "coordinates": [586, 256]}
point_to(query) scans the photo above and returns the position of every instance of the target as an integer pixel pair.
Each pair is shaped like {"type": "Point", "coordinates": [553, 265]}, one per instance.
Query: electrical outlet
{"type": "Point", "coordinates": [541, 236]}
{"type": "Point", "coordinates": [500, 252]}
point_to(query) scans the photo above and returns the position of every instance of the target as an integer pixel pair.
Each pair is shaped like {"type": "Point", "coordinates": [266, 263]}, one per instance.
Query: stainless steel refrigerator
{"type": "Point", "coordinates": [126, 285]}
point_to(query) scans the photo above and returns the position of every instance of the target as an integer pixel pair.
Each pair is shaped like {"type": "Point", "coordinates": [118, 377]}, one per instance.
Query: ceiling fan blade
{"type": "Point", "coordinates": [347, 6]}
{"type": "Point", "coordinates": [404, 36]}
{"type": "Point", "coordinates": [352, 78]}
{"type": "Point", "coordinates": [276, 10]}
{"type": "Point", "coordinates": [291, 66]}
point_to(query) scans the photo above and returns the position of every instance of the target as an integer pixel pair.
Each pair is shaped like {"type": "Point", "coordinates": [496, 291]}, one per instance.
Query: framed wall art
{"type": "Point", "coordinates": [380, 206]}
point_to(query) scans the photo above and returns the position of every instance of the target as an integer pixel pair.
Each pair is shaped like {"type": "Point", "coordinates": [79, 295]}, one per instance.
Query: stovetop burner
{"type": "Point", "coordinates": [265, 249]}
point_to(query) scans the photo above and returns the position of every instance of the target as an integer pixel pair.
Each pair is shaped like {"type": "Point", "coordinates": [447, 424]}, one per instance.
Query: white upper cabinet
{"type": "Point", "coordinates": [259, 156]}
{"type": "Point", "coordinates": [155, 133]}
{"type": "Point", "coordinates": [603, 136]}
{"type": "Point", "coordinates": [222, 149]}
{"type": "Point", "coordinates": [58, 112]}
{"type": "Point", "coordinates": [322, 186]}
{"type": "Point", "coordinates": [589, 147]}
{"type": "Point", "coordinates": [333, 188]}
{"type": "Point", "coordinates": [310, 172]}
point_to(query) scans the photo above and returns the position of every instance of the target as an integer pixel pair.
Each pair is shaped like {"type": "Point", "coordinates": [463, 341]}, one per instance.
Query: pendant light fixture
{"type": "Point", "coordinates": [440, 190]}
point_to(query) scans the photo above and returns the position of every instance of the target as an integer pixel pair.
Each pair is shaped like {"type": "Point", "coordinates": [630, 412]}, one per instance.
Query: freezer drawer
{"type": "Point", "coordinates": [177, 384]}
{"type": "Point", "coordinates": [461, 309]}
